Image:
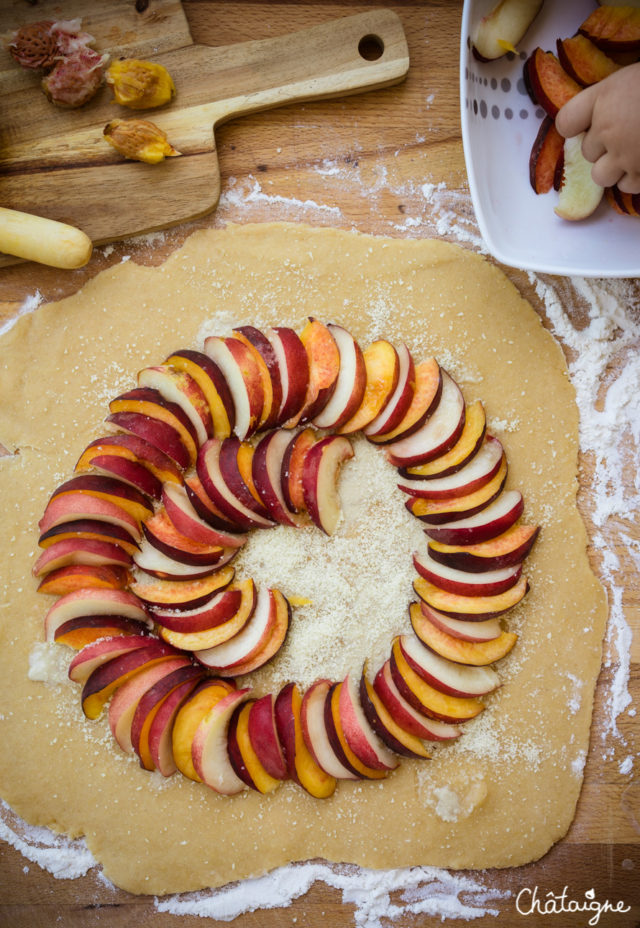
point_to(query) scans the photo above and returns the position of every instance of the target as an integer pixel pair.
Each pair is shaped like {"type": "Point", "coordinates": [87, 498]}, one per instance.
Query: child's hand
{"type": "Point", "coordinates": [609, 113]}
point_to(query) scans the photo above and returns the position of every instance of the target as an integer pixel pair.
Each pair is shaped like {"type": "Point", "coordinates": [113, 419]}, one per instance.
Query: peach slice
{"type": "Point", "coordinates": [161, 728]}
{"type": "Point", "coordinates": [131, 472]}
{"type": "Point", "coordinates": [339, 743]}
{"type": "Point", "coordinates": [243, 756]}
{"type": "Point", "coordinates": [503, 27]}
{"type": "Point", "coordinates": [149, 704]}
{"type": "Point", "coordinates": [102, 683]}
{"type": "Point", "coordinates": [547, 83]}
{"type": "Point", "coordinates": [236, 469]}
{"type": "Point", "coordinates": [487, 630]}
{"type": "Point", "coordinates": [97, 653]}
{"type": "Point", "coordinates": [436, 511]}
{"type": "Point", "coordinates": [579, 195]}
{"type": "Point", "coordinates": [215, 486]}
{"type": "Point", "coordinates": [476, 653]}
{"type": "Point", "coordinates": [319, 480]}
{"type": "Point", "coordinates": [393, 412]}
{"type": "Point", "coordinates": [134, 449]}
{"type": "Point", "coordinates": [93, 529]}
{"type": "Point", "coordinates": [206, 508]}
{"type": "Point", "coordinates": [292, 473]}
{"type": "Point", "coordinates": [265, 357]}
{"type": "Point", "coordinates": [267, 467]}
{"type": "Point", "coordinates": [188, 717]}
{"type": "Point", "coordinates": [110, 490]}
{"type": "Point", "coordinates": [275, 640]}
{"type": "Point", "coordinates": [211, 381]}
{"type": "Point", "coordinates": [153, 561]}
{"type": "Point", "coordinates": [405, 716]}
{"type": "Point", "coordinates": [83, 576]}
{"type": "Point", "coordinates": [293, 365]}
{"type": "Point", "coordinates": [209, 749]}
{"type": "Point", "coordinates": [314, 731]}
{"type": "Point", "coordinates": [468, 607]}
{"type": "Point", "coordinates": [385, 726]}
{"type": "Point", "coordinates": [246, 644]}
{"type": "Point", "coordinates": [263, 734]}
{"type": "Point", "coordinates": [546, 161]}
{"type": "Point", "coordinates": [301, 766]}
{"type": "Point", "coordinates": [382, 370]}
{"type": "Point", "coordinates": [491, 521]}
{"type": "Point", "coordinates": [155, 432]}
{"type": "Point", "coordinates": [242, 374]}
{"type": "Point", "coordinates": [438, 434]}
{"type": "Point", "coordinates": [424, 400]}
{"type": "Point", "coordinates": [216, 634]}
{"type": "Point", "coordinates": [160, 532]}
{"type": "Point", "coordinates": [187, 521]}
{"type": "Point", "coordinates": [472, 476]}
{"type": "Point", "coordinates": [583, 61]}
{"type": "Point", "coordinates": [214, 611]}
{"type": "Point", "coordinates": [180, 594]}
{"type": "Point", "coordinates": [625, 204]}
{"type": "Point", "coordinates": [465, 448]}
{"type": "Point", "coordinates": [613, 28]}
{"type": "Point", "coordinates": [79, 632]}
{"type": "Point", "coordinates": [86, 551]}
{"type": "Point", "coordinates": [445, 675]}
{"type": "Point", "coordinates": [145, 401]}
{"type": "Point", "coordinates": [93, 601]}
{"type": "Point", "coordinates": [361, 737]}
{"type": "Point", "coordinates": [424, 697]}
{"type": "Point", "coordinates": [324, 366]}
{"type": "Point", "coordinates": [464, 583]}
{"type": "Point", "coordinates": [350, 384]}
{"type": "Point", "coordinates": [505, 550]}
{"type": "Point", "coordinates": [179, 388]}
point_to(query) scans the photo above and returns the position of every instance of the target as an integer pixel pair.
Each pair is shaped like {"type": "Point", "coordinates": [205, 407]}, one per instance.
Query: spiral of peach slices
{"type": "Point", "coordinates": [247, 434]}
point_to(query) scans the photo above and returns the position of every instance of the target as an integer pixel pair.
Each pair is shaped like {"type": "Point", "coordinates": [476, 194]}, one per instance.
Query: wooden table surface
{"type": "Point", "coordinates": [355, 163]}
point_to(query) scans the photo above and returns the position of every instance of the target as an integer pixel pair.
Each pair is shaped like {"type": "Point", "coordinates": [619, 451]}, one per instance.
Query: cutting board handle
{"type": "Point", "coordinates": [361, 52]}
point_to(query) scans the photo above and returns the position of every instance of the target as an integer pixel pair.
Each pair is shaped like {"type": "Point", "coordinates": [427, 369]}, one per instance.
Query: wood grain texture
{"type": "Point", "coordinates": [363, 160]}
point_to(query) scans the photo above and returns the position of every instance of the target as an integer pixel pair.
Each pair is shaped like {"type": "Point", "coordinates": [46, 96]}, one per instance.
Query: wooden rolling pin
{"type": "Point", "coordinates": [43, 240]}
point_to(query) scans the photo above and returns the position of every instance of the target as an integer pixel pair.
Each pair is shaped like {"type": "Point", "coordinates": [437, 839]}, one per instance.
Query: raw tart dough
{"type": "Point", "coordinates": [520, 764]}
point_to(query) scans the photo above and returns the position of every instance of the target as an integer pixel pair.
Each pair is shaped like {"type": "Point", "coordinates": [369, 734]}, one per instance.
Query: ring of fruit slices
{"type": "Point", "coordinates": [247, 434]}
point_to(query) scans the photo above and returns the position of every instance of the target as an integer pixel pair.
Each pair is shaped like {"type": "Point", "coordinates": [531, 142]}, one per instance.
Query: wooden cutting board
{"type": "Point", "coordinates": [56, 163]}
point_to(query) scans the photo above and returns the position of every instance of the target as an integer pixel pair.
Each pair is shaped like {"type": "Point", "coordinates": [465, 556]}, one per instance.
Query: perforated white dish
{"type": "Point", "coordinates": [499, 125]}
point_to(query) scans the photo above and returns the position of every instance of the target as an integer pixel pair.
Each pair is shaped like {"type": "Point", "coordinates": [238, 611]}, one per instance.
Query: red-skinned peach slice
{"type": "Point", "coordinates": [242, 755]}
{"type": "Point", "coordinates": [209, 747]}
{"type": "Point", "coordinates": [437, 511]}
{"type": "Point", "coordinates": [579, 196]}
{"type": "Point", "coordinates": [475, 653]}
{"type": "Point", "coordinates": [614, 29]}
{"type": "Point", "coordinates": [131, 472]}
{"type": "Point", "coordinates": [382, 369]}
{"type": "Point", "coordinates": [503, 27]}
{"type": "Point", "coordinates": [470, 607]}
{"type": "Point", "coordinates": [145, 401]}
{"type": "Point", "coordinates": [193, 709]}
{"type": "Point", "coordinates": [293, 365]}
{"type": "Point", "coordinates": [487, 630]}
{"type": "Point", "coordinates": [319, 480]}
{"type": "Point", "coordinates": [216, 610]}
{"type": "Point", "coordinates": [465, 448]}
{"type": "Point", "coordinates": [403, 713]}
{"type": "Point", "coordinates": [187, 521]}
{"type": "Point", "coordinates": [324, 366]}
{"type": "Point", "coordinates": [179, 387]}
{"type": "Point", "coordinates": [134, 449]}
{"type": "Point", "coordinates": [102, 683]}
{"type": "Point", "coordinates": [350, 385]}
{"type": "Point", "coordinates": [109, 489]}
{"type": "Point", "coordinates": [437, 435]}
{"type": "Point", "coordinates": [583, 61]}
{"type": "Point", "coordinates": [80, 551]}
{"type": "Point", "coordinates": [216, 634]}
{"type": "Point", "coordinates": [247, 643]}
{"type": "Point", "coordinates": [265, 357]}
{"type": "Point", "coordinates": [301, 766]}
{"type": "Point", "coordinates": [206, 508]}
{"type": "Point", "coordinates": [339, 743]}
{"type": "Point", "coordinates": [73, 507]}
{"type": "Point", "coordinates": [293, 469]}
{"type": "Point", "coordinates": [625, 204]}
{"type": "Point", "coordinates": [175, 675]}
{"type": "Point", "coordinates": [487, 583]}
{"type": "Point", "coordinates": [161, 728]}
{"type": "Point", "coordinates": [211, 381]}
{"type": "Point", "coordinates": [180, 594]}
{"type": "Point", "coordinates": [393, 412]}
{"type": "Point", "coordinates": [477, 472]}
{"type": "Point", "coordinates": [90, 529]}
{"type": "Point", "coordinates": [242, 374]}
{"type": "Point", "coordinates": [236, 469]}
{"type": "Point", "coordinates": [99, 652]}
{"type": "Point", "coordinates": [153, 561]}
{"type": "Point", "coordinates": [161, 533]}
{"type": "Point", "coordinates": [424, 697]}
{"type": "Point", "coordinates": [424, 400]}
{"type": "Point", "coordinates": [279, 629]}
{"type": "Point", "coordinates": [83, 576]}
{"type": "Point", "coordinates": [444, 675]}
{"type": "Point", "coordinates": [385, 726]}
{"type": "Point", "coordinates": [266, 471]}
{"type": "Point", "coordinates": [314, 731]}
{"type": "Point", "coordinates": [214, 485]}
{"type": "Point", "coordinates": [155, 432]}
{"type": "Point", "coordinates": [79, 632]}
{"type": "Point", "coordinates": [92, 601]}
{"type": "Point", "coordinates": [491, 521]}
{"type": "Point", "coordinates": [547, 156]}
{"type": "Point", "coordinates": [547, 83]}
{"type": "Point", "coordinates": [263, 734]}
{"type": "Point", "coordinates": [505, 550]}
{"type": "Point", "coordinates": [360, 736]}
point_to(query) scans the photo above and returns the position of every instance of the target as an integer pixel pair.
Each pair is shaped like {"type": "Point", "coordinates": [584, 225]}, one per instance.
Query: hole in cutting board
{"type": "Point", "coordinates": [371, 47]}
